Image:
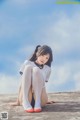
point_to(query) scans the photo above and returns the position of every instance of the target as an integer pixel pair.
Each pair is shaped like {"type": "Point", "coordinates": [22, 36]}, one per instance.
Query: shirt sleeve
{"type": "Point", "coordinates": [23, 66]}
{"type": "Point", "coordinates": [48, 75]}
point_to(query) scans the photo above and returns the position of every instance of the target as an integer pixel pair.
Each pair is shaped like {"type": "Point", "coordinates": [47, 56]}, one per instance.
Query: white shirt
{"type": "Point", "coordinates": [46, 70]}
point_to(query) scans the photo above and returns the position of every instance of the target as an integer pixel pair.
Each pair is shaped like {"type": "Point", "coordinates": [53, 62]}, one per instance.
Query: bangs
{"type": "Point", "coordinates": [44, 50]}
{"type": "Point", "coordinates": [44, 53]}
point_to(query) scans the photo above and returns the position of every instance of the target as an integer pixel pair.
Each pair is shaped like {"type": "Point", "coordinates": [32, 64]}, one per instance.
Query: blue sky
{"type": "Point", "coordinates": [27, 23]}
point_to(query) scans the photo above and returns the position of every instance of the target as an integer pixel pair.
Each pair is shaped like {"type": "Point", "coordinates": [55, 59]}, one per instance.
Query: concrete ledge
{"type": "Point", "coordinates": [66, 107]}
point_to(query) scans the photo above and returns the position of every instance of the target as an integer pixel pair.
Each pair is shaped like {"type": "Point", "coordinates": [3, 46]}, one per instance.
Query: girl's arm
{"type": "Point", "coordinates": [23, 66]}
{"type": "Point", "coordinates": [48, 75]}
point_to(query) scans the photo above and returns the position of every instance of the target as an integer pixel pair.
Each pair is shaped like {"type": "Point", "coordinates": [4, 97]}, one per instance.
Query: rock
{"type": "Point", "coordinates": [66, 107]}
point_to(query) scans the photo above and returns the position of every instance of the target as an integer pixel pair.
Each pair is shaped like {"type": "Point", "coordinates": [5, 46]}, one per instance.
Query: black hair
{"type": "Point", "coordinates": [42, 50]}
{"type": "Point", "coordinates": [33, 57]}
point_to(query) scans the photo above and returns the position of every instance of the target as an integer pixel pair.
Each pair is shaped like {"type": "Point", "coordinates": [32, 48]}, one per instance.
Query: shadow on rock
{"type": "Point", "coordinates": [63, 107]}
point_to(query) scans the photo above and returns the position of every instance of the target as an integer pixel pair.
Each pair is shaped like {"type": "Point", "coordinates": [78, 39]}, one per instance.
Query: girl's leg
{"type": "Point", "coordinates": [18, 101]}
{"type": "Point", "coordinates": [37, 84]}
{"type": "Point", "coordinates": [26, 84]}
{"type": "Point", "coordinates": [44, 97]}
{"type": "Point", "coordinates": [20, 96]}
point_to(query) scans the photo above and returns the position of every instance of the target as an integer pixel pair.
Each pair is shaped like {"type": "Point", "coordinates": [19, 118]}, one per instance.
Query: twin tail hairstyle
{"type": "Point", "coordinates": [42, 50]}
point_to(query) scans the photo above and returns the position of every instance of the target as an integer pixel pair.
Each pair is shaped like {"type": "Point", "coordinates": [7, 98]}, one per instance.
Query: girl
{"type": "Point", "coordinates": [34, 73]}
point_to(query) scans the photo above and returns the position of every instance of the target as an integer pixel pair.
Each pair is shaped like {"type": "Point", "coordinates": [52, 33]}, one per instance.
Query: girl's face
{"type": "Point", "coordinates": [42, 59]}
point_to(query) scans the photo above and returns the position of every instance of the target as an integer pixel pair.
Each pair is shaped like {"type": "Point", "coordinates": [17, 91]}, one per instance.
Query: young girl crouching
{"type": "Point", "coordinates": [34, 73]}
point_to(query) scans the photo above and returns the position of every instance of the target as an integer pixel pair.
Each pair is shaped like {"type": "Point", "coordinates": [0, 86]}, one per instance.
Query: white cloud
{"type": "Point", "coordinates": [64, 74]}
{"type": "Point", "coordinates": [27, 50]}
{"type": "Point", "coordinates": [62, 32]}
{"type": "Point", "coordinates": [60, 75]}
{"type": "Point", "coordinates": [77, 80]}
{"type": "Point", "coordinates": [8, 84]}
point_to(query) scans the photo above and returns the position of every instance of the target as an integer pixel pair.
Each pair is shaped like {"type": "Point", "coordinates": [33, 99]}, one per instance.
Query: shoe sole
{"type": "Point", "coordinates": [30, 111]}
{"type": "Point", "coordinates": [37, 110]}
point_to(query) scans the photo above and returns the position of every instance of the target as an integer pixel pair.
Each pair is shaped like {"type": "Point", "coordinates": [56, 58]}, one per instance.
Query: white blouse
{"type": "Point", "coordinates": [46, 70]}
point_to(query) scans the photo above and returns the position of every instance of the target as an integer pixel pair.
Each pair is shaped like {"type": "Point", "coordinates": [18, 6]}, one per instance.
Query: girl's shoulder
{"type": "Point", "coordinates": [47, 67]}
{"type": "Point", "coordinates": [27, 61]}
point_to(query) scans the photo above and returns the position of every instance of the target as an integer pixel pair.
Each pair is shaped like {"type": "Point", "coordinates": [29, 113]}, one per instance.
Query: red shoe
{"type": "Point", "coordinates": [37, 109]}
{"type": "Point", "coordinates": [30, 110]}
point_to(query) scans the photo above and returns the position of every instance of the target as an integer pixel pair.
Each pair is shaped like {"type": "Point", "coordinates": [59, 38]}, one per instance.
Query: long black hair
{"type": "Point", "coordinates": [42, 50]}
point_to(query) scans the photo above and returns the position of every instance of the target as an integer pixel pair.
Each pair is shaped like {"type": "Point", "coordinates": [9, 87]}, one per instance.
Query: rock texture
{"type": "Point", "coordinates": [66, 107]}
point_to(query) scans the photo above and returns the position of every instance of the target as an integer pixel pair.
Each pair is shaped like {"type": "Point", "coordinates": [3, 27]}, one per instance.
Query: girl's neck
{"type": "Point", "coordinates": [39, 65]}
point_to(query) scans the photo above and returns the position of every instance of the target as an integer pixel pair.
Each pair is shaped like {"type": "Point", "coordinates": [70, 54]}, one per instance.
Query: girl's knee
{"type": "Point", "coordinates": [36, 70]}
{"type": "Point", "coordinates": [27, 67]}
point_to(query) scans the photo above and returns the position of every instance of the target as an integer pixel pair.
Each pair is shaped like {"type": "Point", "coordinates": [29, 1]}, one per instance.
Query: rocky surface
{"type": "Point", "coordinates": [66, 107]}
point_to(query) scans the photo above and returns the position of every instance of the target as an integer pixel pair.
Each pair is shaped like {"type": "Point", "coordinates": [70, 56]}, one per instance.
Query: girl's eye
{"type": "Point", "coordinates": [46, 57]}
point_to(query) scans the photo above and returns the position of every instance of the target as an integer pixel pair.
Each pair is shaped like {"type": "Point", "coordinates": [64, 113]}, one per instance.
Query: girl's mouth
{"type": "Point", "coordinates": [42, 62]}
